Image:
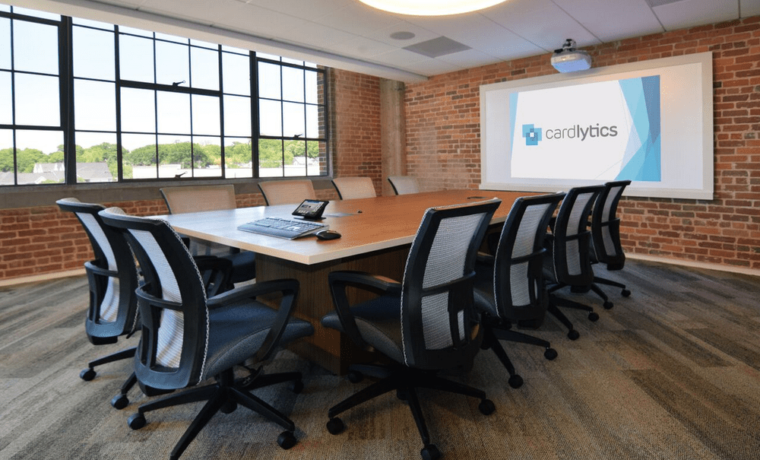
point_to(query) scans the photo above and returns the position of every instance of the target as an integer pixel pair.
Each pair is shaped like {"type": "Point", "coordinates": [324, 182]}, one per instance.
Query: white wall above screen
{"type": "Point", "coordinates": [651, 122]}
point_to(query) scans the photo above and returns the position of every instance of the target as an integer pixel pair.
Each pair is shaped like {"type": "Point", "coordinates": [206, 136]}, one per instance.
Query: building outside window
{"type": "Point", "coordinates": [135, 105]}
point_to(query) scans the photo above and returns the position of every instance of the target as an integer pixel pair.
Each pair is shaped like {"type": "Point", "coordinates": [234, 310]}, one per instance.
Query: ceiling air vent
{"type": "Point", "coordinates": [436, 47]}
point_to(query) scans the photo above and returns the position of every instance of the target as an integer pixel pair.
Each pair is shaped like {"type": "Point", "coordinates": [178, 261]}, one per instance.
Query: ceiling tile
{"type": "Point", "coordinates": [542, 23]}
{"type": "Point", "coordinates": [420, 34]}
{"type": "Point", "coordinates": [688, 13]}
{"type": "Point", "coordinates": [469, 58]}
{"type": "Point", "coordinates": [430, 67]}
{"type": "Point", "coordinates": [399, 57]}
{"type": "Point", "coordinates": [595, 16]}
{"type": "Point", "coordinates": [358, 19]}
{"type": "Point", "coordinates": [749, 8]}
{"type": "Point", "coordinates": [360, 47]}
{"type": "Point", "coordinates": [301, 9]}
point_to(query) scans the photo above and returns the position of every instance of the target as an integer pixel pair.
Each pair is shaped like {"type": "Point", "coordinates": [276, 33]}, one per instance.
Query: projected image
{"type": "Point", "coordinates": [597, 131]}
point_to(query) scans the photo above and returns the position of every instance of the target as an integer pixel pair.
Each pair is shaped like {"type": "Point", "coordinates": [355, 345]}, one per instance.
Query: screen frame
{"type": "Point", "coordinates": [316, 214]}
{"type": "Point", "coordinates": [615, 72]}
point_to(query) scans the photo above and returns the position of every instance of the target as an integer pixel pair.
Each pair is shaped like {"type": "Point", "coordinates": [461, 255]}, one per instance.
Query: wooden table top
{"type": "Point", "coordinates": [384, 222]}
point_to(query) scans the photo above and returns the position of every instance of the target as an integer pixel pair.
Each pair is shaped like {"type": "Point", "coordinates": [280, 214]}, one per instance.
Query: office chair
{"type": "Point", "coordinates": [287, 191]}
{"type": "Point", "coordinates": [188, 337]}
{"type": "Point", "coordinates": [425, 324]}
{"type": "Point", "coordinates": [112, 277]}
{"type": "Point", "coordinates": [509, 288]}
{"type": "Point", "coordinates": [403, 185]}
{"type": "Point", "coordinates": [195, 198]}
{"type": "Point", "coordinates": [350, 188]}
{"type": "Point", "coordinates": [567, 262]}
{"type": "Point", "coordinates": [605, 232]}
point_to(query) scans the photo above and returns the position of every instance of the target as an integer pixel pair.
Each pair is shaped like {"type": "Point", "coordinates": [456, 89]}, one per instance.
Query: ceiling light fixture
{"type": "Point", "coordinates": [431, 7]}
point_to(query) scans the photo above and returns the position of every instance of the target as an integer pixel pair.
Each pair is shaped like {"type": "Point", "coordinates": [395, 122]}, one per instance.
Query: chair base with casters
{"type": "Point", "coordinates": [495, 331]}
{"type": "Point", "coordinates": [120, 401]}
{"type": "Point", "coordinates": [625, 292]}
{"type": "Point", "coordinates": [555, 302]}
{"type": "Point", "coordinates": [224, 396]}
{"type": "Point", "coordinates": [404, 381]}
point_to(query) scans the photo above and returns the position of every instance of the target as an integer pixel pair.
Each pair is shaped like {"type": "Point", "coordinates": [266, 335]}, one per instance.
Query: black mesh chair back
{"type": "Point", "coordinates": [518, 281]}
{"type": "Point", "coordinates": [572, 239]}
{"type": "Point", "coordinates": [439, 325]}
{"type": "Point", "coordinates": [174, 333]}
{"type": "Point", "coordinates": [605, 226]}
{"type": "Point", "coordinates": [112, 276]}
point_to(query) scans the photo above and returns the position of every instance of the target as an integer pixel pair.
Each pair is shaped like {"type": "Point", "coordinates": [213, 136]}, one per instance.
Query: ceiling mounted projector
{"type": "Point", "coordinates": [569, 59]}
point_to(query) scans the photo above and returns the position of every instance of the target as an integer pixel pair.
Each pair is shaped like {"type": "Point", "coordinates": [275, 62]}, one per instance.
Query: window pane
{"type": "Point", "coordinates": [203, 44]}
{"type": "Point", "coordinates": [292, 61]}
{"type": "Point", "coordinates": [206, 115]}
{"type": "Point", "coordinates": [237, 74]}
{"type": "Point", "coordinates": [37, 100]}
{"type": "Point", "coordinates": [237, 116]}
{"type": "Point", "coordinates": [207, 157]}
{"type": "Point", "coordinates": [6, 157]}
{"type": "Point", "coordinates": [270, 158]}
{"type": "Point", "coordinates": [313, 124]}
{"type": "Point", "coordinates": [173, 113]}
{"type": "Point", "coordinates": [6, 95]}
{"type": "Point", "coordinates": [270, 118]}
{"type": "Point", "coordinates": [39, 157]}
{"type": "Point", "coordinates": [232, 49]}
{"type": "Point", "coordinates": [269, 81]}
{"type": "Point", "coordinates": [35, 47]}
{"type": "Point", "coordinates": [316, 163]}
{"type": "Point", "coordinates": [294, 120]}
{"type": "Point", "coordinates": [133, 31]}
{"type": "Point", "coordinates": [171, 38]}
{"type": "Point", "coordinates": [136, 59]}
{"type": "Point", "coordinates": [5, 8]}
{"type": "Point", "coordinates": [174, 156]}
{"type": "Point", "coordinates": [292, 84]}
{"type": "Point", "coordinates": [96, 157]}
{"type": "Point", "coordinates": [36, 14]}
{"type": "Point", "coordinates": [5, 43]}
{"type": "Point", "coordinates": [238, 157]}
{"type": "Point", "coordinates": [205, 68]}
{"type": "Point", "coordinates": [96, 24]}
{"type": "Point", "coordinates": [95, 105]}
{"type": "Point", "coordinates": [139, 156]}
{"type": "Point", "coordinates": [138, 110]}
{"type": "Point", "coordinates": [295, 158]}
{"type": "Point", "coordinates": [310, 64]}
{"type": "Point", "coordinates": [268, 56]}
{"type": "Point", "coordinates": [172, 64]}
{"type": "Point", "coordinates": [314, 81]}
{"type": "Point", "coordinates": [93, 54]}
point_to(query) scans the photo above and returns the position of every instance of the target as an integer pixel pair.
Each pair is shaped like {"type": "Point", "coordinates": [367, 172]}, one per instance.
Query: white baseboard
{"type": "Point", "coordinates": [42, 277]}
{"type": "Point", "coordinates": [694, 264]}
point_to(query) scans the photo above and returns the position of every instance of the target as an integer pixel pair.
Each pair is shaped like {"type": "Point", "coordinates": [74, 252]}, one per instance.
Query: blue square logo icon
{"type": "Point", "coordinates": [531, 134]}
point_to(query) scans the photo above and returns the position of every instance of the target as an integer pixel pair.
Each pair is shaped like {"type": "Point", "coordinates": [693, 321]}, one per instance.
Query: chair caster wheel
{"type": "Point", "coordinates": [626, 293]}
{"type": "Point", "coordinates": [87, 374]}
{"type": "Point", "coordinates": [136, 421]}
{"type": "Point", "coordinates": [119, 402]}
{"type": "Point", "coordinates": [297, 386]}
{"type": "Point", "coordinates": [486, 407]}
{"type": "Point", "coordinates": [550, 354]}
{"type": "Point", "coordinates": [335, 426]}
{"type": "Point", "coordinates": [286, 440]}
{"type": "Point", "coordinates": [608, 305]}
{"type": "Point", "coordinates": [355, 376]}
{"type": "Point", "coordinates": [430, 452]}
{"type": "Point", "coordinates": [573, 335]}
{"type": "Point", "coordinates": [228, 407]}
{"type": "Point", "coordinates": [593, 317]}
{"type": "Point", "coordinates": [515, 381]}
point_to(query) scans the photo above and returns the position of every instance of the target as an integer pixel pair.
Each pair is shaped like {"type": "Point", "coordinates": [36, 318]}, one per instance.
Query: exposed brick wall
{"type": "Point", "coordinates": [356, 129]}
{"type": "Point", "coordinates": [443, 143]}
{"type": "Point", "coordinates": [39, 240]}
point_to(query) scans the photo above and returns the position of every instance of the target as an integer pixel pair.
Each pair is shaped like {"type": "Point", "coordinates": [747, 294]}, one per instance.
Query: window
{"type": "Point", "coordinates": [138, 105]}
{"type": "Point", "coordinates": [31, 129]}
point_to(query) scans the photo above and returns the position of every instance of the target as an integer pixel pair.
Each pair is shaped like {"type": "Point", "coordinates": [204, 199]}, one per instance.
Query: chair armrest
{"type": "Point", "coordinates": [339, 281]}
{"type": "Point", "coordinates": [288, 288]}
{"type": "Point", "coordinates": [90, 266]}
{"type": "Point", "coordinates": [486, 259]}
{"type": "Point", "coordinates": [216, 273]}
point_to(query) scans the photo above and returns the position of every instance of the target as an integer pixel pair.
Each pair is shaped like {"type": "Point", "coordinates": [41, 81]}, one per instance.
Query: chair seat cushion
{"type": "Point", "coordinates": [243, 266]}
{"type": "Point", "coordinates": [379, 322]}
{"type": "Point", "coordinates": [484, 295]}
{"type": "Point", "coordinates": [237, 331]}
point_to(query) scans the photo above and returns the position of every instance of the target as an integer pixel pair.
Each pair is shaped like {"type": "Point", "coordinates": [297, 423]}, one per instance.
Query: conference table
{"type": "Point", "coordinates": [376, 237]}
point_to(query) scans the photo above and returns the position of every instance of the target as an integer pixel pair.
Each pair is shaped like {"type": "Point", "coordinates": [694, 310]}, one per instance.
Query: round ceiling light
{"type": "Point", "coordinates": [431, 7]}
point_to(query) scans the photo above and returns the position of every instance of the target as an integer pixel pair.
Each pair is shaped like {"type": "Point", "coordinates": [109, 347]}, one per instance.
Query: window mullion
{"type": "Point", "coordinates": [255, 124]}
{"type": "Point", "coordinates": [66, 85]}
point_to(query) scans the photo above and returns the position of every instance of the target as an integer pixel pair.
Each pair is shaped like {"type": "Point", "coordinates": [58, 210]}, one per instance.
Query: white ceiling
{"type": "Point", "coordinates": [350, 35]}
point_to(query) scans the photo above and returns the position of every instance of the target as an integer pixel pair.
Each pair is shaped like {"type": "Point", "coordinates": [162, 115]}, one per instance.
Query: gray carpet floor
{"type": "Point", "coordinates": [672, 372]}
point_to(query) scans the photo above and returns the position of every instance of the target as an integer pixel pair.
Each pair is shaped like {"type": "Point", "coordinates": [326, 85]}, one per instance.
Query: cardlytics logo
{"type": "Point", "coordinates": [531, 134]}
